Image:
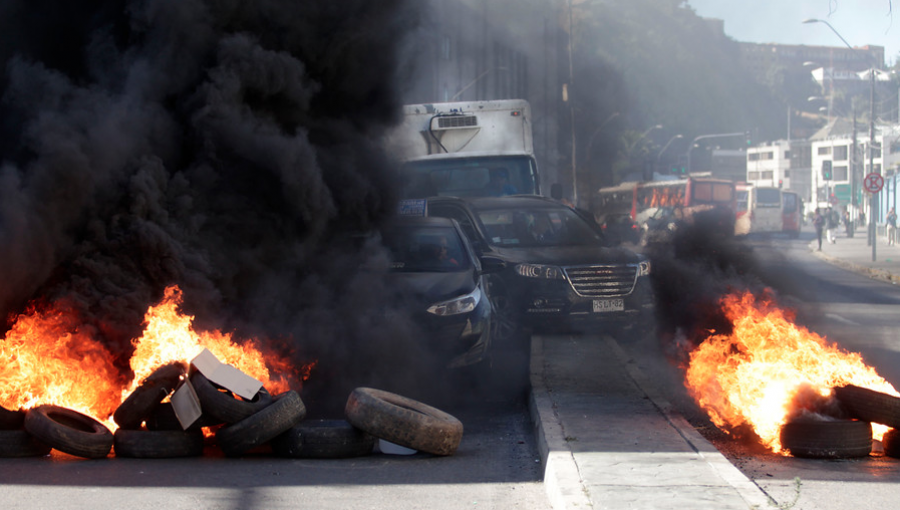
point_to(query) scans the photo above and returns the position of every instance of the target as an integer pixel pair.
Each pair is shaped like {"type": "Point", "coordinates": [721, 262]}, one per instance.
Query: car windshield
{"type": "Point", "coordinates": [537, 227]}
{"type": "Point", "coordinates": [425, 249]}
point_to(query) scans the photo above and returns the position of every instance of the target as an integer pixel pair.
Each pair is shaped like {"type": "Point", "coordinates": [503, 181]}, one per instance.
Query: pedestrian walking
{"type": "Point", "coordinates": [831, 225]}
{"type": "Point", "coordinates": [892, 227]}
{"type": "Point", "coordinates": [819, 223]}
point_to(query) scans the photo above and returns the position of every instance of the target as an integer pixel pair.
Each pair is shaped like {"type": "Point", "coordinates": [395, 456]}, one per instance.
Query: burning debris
{"type": "Point", "coordinates": [768, 372]}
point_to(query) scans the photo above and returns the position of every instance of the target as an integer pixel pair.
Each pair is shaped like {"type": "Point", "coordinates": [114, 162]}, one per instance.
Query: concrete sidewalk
{"type": "Point", "coordinates": [612, 441]}
{"type": "Point", "coordinates": [855, 253]}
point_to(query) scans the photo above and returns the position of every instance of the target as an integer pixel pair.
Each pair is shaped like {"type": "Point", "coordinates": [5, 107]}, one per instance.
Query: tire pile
{"type": "Point", "coordinates": [149, 427]}
{"type": "Point", "coordinates": [847, 438]}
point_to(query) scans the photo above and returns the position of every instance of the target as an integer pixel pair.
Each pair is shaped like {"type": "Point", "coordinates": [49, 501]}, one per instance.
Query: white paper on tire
{"type": "Point", "coordinates": [226, 376]}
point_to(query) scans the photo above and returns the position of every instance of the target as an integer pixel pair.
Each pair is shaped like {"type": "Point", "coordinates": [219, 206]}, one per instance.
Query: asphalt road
{"type": "Point", "coordinates": [853, 311]}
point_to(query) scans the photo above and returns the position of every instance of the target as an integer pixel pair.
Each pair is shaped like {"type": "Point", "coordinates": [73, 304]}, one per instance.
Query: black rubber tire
{"type": "Point", "coordinates": [869, 405]}
{"type": "Point", "coordinates": [164, 418]}
{"type": "Point", "coordinates": [285, 411]}
{"type": "Point", "coordinates": [19, 443]}
{"type": "Point", "coordinates": [158, 444]}
{"type": "Point", "coordinates": [69, 431]}
{"type": "Point", "coordinates": [224, 406]}
{"type": "Point", "coordinates": [403, 421]}
{"type": "Point", "coordinates": [323, 439]}
{"type": "Point", "coordinates": [135, 409]}
{"type": "Point", "coordinates": [891, 443]}
{"type": "Point", "coordinates": [839, 439]}
{"type": "Point", "coordinates": [11, 420]}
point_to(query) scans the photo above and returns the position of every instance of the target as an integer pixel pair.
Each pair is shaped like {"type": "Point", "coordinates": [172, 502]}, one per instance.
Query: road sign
{"type": "Point", "coordinates": [873, 183]}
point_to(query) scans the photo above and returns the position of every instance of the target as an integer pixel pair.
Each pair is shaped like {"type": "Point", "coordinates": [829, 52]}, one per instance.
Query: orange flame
{"type": "Point", "coordinates": [48, 358]}
{"type": "Point", "coordinates": [751, 376]}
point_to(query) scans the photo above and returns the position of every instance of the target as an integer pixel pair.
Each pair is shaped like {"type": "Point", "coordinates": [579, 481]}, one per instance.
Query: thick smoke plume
{"type": "Point", "coordinates": [220, 145]}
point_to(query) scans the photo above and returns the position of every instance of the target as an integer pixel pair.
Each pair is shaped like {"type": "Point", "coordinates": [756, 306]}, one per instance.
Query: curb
{"type": "Point", "coordinates": [562, 480]}
{"type": "Point", "coordinates": [745, 487]}
{"type": "Point", "coordinates": [875, 274]}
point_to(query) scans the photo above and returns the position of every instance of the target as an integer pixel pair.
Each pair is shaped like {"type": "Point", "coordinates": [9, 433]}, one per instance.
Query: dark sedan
{"type": "Point", "coordinates": [432, 260]}
{"type": "Point", "coordinates": [559, 274]}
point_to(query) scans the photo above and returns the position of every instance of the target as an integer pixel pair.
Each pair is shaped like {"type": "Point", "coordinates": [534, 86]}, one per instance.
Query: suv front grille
{"type": "Point", "coordinates": [602, 280]}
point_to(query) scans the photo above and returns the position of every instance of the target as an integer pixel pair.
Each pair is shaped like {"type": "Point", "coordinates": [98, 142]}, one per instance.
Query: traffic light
{"type": "Point", "coordinates": [748, 138]}
{"type": "Point", "coordinates": [826, 170]}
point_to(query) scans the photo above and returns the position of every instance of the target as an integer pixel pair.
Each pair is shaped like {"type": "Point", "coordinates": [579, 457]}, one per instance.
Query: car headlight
{"type": "Point", "coordinates": [644, 268]}
{"type": "Point", "coordinates": [461, 304]}
{"type": "Point", "coordinates": [540, 271]}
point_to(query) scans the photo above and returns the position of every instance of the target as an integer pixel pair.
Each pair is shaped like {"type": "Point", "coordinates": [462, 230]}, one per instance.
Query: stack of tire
{"type": "Point", "coordinates": [149, 428]}
{"type": "Point", "coordinates": [846, 438]}
{"type": "Point", "coordinates": [875, 407]}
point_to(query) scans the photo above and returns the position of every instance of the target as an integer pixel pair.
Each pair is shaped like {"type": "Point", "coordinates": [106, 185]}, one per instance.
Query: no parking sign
{"type": "Point", "coordinates": [873, 183]}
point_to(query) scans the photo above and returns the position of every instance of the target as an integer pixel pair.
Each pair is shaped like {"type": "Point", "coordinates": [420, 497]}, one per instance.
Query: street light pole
{"type": "Point", "coordinates": [872, 202]}
{"type": "Point", "coordinates": [702, 137]}
{"type": "Point", "coordinates": [666, 146]}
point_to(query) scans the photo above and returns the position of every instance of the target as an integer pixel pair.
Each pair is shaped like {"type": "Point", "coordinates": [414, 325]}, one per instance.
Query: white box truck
{"type": "Point", "coordinates": [467, 149]}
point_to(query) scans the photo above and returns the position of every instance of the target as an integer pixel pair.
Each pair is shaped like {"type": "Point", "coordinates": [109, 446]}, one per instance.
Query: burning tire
{"type": "Point", "coordinates": [870, 405]}
{"type": "Point", "coordinates": [404, 421]}
{"type": "Point", "coordinates": [11, 420]}
{"type": "Point", "coordinates": [840, 439]}
{"type": "Point", "coordinates": [891, 443]}
{"type": "Point", "coordinates": [69, 431]}
{"type": "Point", "coordinates": [164, 418]}
{"type": "Point", "coordinates": [139, 406]}
{"type": "Point", "coordinates": [158, 444]}
{"type": "Point", "coordinates": [224, 406]}
{"type": "Point", "coordinates": [323, 439]}
{"type": "Point", "coordinates": [285, 411]}
{"type": "Point", "coordinates": [19, 443]}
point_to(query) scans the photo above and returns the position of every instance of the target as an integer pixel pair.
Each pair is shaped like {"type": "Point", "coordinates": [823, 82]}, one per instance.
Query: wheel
{"type": "Point", "coordinates": [323, 439]}
{"type": "Point", "coordinates": [69, 431]}
{"type": "Point", "coordinates": [139, 406]}
{"type": "Point", "coordinates": [285, 411]}
{"type": "Point", "coordinates": [870, 405]}
{"type": "Point", "coordinates": [891, 443]}
{"type": "Point", "coordinates": [403, 421]}
{"type": "Point", "coordinates": [839, 439]}
{"type": "Point", "coordinates": [158, 444]}
{"type": "Point", "coordinates": [505, 323]}
{"type": "Point", "coordinates": [224, 406]}
{"type": "Point", "coordinates": [19, 443]}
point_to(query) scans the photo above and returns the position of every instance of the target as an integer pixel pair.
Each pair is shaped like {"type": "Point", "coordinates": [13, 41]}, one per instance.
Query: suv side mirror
{"type": "Point", "coordinates": [490, 265]}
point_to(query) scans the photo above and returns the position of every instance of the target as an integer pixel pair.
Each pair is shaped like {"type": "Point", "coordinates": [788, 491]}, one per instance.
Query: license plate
{"type": "Point", "coordinates": [609, 305]}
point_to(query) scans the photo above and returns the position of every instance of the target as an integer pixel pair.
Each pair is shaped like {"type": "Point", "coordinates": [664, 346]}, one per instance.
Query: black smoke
{"type": "Point", "coordinates": [221, 145]}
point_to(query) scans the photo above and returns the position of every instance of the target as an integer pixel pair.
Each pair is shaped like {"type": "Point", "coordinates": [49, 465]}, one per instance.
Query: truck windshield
{"type": "Point", "coordinates": [472, 177]}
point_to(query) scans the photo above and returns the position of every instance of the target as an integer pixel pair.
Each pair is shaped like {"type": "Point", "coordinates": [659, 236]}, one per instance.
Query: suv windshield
{"type": "Point", "coordinates": [425, 249]}
{"type": "Point", "coordinates": [537, 227]}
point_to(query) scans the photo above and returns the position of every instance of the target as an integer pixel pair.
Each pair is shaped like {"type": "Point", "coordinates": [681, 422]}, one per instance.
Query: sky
{"type": "Point", "coordinates": [860, 22]}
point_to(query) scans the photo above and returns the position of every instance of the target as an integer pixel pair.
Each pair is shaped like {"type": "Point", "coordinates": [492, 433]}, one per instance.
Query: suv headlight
{"type": "Point", "coordinates": [644, 268]}
{"type": "Point", "coordinates": [540, 271]}
{"type": "Point", "coordinates": [461, 304]}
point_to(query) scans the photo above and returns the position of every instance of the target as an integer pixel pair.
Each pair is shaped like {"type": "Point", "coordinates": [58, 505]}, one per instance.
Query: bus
{"type": "Point", "coordinates": [760, 210]}
{"type": "Point", "coordinates": [791, 213]}
{"type": "Point", "coordinates": [693, 201]}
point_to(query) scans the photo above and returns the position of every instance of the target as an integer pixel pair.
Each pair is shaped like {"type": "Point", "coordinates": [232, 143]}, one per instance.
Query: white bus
{"type": "Point", "coordinates": [759, 210]}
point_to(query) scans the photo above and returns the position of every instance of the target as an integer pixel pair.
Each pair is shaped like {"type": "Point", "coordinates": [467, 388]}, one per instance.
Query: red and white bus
{"type": "Point", "coordinates": [691, 201]}
{"type": "Point", "coordinates": [791, 213]}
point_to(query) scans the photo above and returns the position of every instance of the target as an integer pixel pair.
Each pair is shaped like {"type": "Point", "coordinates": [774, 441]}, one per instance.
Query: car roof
{"type": "Point", "coordinates": [421, 221]}
{"type": "Point", "coordinates": [514, 201]}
